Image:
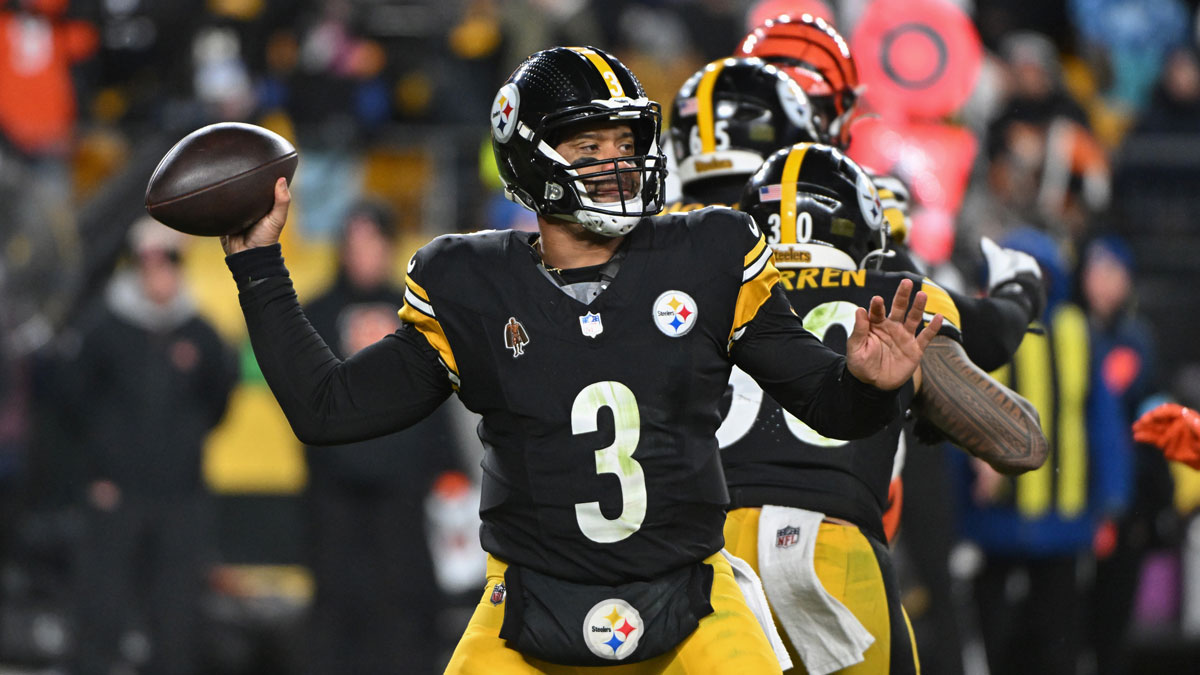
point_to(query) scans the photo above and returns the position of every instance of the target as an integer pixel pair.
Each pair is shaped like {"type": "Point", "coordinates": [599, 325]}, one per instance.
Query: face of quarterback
{"type": "Point", "coordinates": [586, 146]}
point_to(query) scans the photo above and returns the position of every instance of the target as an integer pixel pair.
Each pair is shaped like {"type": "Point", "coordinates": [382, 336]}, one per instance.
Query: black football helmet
{"type": "Point", "coordinates": [814, 54]}
{"type": "Point", "coordinates": [553, 92]}
{"type": "Point", "coordinates": [817, 208]}
{"type": "Point", "coordinates": [731, 114]}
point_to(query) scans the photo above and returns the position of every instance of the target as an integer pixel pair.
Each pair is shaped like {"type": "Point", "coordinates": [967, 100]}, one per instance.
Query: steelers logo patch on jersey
{"type": "Point", "coordinates": [612, 629]}
{"type": "Point", "coordinates": [504, 112]}
{"type": "Point", "coordinates": [675, 313]}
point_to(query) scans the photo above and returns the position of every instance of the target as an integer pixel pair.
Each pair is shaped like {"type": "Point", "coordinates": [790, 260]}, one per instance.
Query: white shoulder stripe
{"type": "Point", "coordinates": [756, 267]}
{"type": "Point", "coordinates": [417, 303]}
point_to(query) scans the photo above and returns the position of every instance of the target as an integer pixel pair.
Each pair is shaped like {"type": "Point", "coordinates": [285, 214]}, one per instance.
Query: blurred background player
{"type": "Point", "coordinates": [807, 510]}
{"type": "Point", "coordinates": [153, 379]}
{"type": "Point", "coordinates": [725, 120]}
{"type": "Point", "coordinates": [1036, 531]}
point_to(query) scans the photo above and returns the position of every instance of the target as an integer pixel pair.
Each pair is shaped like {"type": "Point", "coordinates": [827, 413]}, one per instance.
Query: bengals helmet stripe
{"type": "Point", "coordinates": [787, 203]}
{"type": "Point", "coordinates": [606, 71]}
{"type": "Point", "coordinates": [704, 112]}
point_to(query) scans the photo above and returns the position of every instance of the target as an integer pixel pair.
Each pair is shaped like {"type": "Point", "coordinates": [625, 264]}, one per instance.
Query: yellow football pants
{"type": "Point", "coordinates": [729, 640]}
{"type": "Point", "coordinates": [851, 569]}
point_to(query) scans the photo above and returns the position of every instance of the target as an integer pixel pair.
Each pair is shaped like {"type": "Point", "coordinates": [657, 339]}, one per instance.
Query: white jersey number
{"type": "Point", "coordinates": [747, 395]}
{"type": "Point", "coordinates": [616, 459]}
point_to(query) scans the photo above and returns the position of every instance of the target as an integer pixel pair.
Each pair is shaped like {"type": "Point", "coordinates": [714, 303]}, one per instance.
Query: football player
{"type": "Point", "coordinates": [817, 57]}
{"type": "Point", "coordinates": [807, 507]}
{"type": "Point", "coordinates": [726, 119]}
{"type": "Point", "coordinates": [596, 350]}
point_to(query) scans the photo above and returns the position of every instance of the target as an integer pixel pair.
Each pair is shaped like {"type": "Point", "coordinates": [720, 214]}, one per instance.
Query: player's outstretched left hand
{"type": "Point", "coordinates": [884, 350]}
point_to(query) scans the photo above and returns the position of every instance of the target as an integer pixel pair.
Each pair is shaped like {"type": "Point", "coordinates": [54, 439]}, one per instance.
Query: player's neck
{"type": "Point", "coordinates": [566, 245]}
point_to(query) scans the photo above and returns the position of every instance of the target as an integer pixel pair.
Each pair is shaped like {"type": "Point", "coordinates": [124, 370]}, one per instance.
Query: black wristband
{"type": "Point", "coordinates": [256, 264]}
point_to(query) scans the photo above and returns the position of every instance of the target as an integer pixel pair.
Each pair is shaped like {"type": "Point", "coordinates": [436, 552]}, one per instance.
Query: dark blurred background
{"type": "Point", "coordinates": [1077, 118]}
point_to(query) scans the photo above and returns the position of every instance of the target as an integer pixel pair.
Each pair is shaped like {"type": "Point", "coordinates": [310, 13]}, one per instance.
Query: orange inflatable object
{"type": "Point", "coordinates": [1174, 429]}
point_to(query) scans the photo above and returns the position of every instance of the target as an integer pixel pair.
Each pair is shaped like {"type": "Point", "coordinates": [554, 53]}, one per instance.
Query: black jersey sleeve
{"type": "Point", "coordinates": [807, 378]}
{"type": "Point", "coordinates": [993, 328]}
{"type": "Point", "coordinates": [386, 387]}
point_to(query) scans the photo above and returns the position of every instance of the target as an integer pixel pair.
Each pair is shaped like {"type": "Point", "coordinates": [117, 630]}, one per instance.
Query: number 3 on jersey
{"type": "Point", "coordinates": [616, 459]}
{"type": "Point", "coordinates": [747, 395]}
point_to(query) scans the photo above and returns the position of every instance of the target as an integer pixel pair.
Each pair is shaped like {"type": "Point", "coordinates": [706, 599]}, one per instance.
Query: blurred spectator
{"type": "Point", "coordinates": [1175, 103]}
{"type": "Point", "coordinates": [1128, 40]}
{"type": "Point", "coordinates": [376, 606]}
{"type": "Point", "coordinates": [151, 380]}
{"type": "Point", "coordinates": [1036, 531]}
{"type": "Point", "coordinates": [38, 46]}
{"type": "Point", "coordinates": [1125, 347]}
{"type": "Point", "coordinates": [329, 79]}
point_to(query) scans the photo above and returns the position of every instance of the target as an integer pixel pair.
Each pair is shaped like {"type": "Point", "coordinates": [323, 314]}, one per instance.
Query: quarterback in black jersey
{"type": "Point", "coordinates": [596, 351]}
{"type": "Point", "coordinates": [807, 507]}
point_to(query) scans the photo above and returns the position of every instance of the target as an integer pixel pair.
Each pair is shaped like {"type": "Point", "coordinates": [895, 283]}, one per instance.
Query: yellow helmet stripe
{"type": "Point", "coordinates": [606, 71]}
{"type": "Point", "coordinates": [787, 201]}
{"type": "Point", "coordinates": [704, 107]}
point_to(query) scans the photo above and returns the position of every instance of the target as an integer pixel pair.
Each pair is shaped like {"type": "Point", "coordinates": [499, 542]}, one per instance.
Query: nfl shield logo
{"type": "Point", "coordinates": [590, 325]}
{"type": "Point", "coordinates": [787, 536]}
{"type": "Point", "coordinates": [498, 594]}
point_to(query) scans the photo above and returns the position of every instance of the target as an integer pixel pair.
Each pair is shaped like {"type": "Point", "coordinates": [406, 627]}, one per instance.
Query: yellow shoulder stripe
{"type": "Point", "coordinates": [419, 313]}
{"type": "Point", "coordinates": [939, 302]}
{"type": "Point", "coordinates": [752, 295]}
{"type": "Point", "coordinates": [755, 252]}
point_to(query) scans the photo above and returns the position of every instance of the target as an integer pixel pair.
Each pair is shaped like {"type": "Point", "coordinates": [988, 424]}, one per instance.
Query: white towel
{"type": "Point", "coordinates": [752, 589]}
{"type": "Point", "coordinates": [827, 636]}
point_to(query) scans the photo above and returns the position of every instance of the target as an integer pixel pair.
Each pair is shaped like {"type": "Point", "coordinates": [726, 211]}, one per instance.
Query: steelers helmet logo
{"type": "Point", "coordinates": [868, 200]}
{"type": "Point", "coordinates": [504, 112]}
{"type": "Point", "coordinates": [675, 313]}
{"type": "Point", "coordinates": [612, 629]}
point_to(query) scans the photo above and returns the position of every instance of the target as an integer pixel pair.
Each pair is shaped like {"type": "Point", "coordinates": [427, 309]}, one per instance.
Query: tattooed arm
{"type": "Point", "coordinates": [977, 413]}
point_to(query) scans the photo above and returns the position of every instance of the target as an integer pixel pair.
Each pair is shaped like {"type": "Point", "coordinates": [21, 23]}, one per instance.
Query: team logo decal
{"type": "Point", "coordinates": [590, 325]}
{"type": "Point", "coordinates": [504, 112]}
{"type": "Point", "coordinates": [498, 593]}
{"type": "Point", "coordinates": [612, 629]}
{"type": "Point", "coordinates": [675, 313]}
{"type": "Point", "coordinates": [868, 200]}
{"type": "Point", "coordinates": [515, 337]}
{"type": "Point", "coordinates": [787, 536]}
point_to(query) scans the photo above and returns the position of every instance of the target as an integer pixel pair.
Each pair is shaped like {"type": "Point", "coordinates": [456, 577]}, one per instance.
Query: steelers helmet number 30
{"type": "Point", "coordinates": [817, 208]}
{"type": "Point", "coordinates": [555, 94]}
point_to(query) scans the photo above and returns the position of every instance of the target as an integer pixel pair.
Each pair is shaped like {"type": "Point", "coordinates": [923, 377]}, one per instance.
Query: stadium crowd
{"type": "Point", "coordinates": [1067, 130]}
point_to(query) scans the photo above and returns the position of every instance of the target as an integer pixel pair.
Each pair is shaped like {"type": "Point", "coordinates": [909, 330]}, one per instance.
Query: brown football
{"type": "Point", "coordinates": [219, 179]}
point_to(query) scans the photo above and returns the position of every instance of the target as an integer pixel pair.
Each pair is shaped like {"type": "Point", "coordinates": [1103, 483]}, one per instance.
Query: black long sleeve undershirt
{"type": "Point", "coordinates": [992, 328]}
{"type": "Point", "coordinates": [386, 387]}
{"type": "Point", "coordinates": [814, 385]}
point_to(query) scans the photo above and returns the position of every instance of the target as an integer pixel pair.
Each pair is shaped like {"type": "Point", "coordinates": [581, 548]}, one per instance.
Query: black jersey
{"type": "Point", "coordinates": [599, 418]}
{"type": "Point", "coordinates": [771, 457]}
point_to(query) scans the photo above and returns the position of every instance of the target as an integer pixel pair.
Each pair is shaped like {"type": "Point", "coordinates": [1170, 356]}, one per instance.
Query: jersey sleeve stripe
{"type": "Point", "coordinates": [419, 313]}
{"type": "Point", "coordinates": [762, 255]}
{"type": "Point", "coordinates": [704, 108]}
{"type": "Point", "coordinates": [754, 292]}
{"type": "Point", "coordinates": [606, 71]}
{"type": "Point", "coordinates": [755, 253]}
{"type": "Point", "coordinates": [413, 300]}
{"type": "Point", "coordinates": [939, 302]}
